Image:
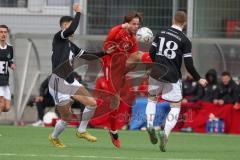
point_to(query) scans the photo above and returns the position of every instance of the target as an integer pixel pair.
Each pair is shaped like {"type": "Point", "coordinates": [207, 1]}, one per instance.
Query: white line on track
{"type": "Point", "coordinates": [94, 157]}
{"type": "Point", "coordinates": [206, 135]}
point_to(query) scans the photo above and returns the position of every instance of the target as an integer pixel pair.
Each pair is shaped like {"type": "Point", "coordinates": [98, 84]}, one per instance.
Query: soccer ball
{"type": "Point", "coordinates": [144, 35]}
{"type": "Point", "coordinates": [49, 118]}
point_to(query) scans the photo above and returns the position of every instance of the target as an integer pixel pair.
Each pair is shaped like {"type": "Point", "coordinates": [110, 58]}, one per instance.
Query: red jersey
{"type": "Point", "coordinates": [122, 44]}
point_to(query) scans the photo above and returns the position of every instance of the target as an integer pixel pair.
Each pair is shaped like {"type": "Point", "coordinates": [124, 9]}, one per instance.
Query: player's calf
{"type": "Point", "coordinates": [65, 112]}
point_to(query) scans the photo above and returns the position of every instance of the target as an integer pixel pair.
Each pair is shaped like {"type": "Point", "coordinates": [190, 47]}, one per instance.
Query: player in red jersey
{"type": "Point", "coordinates": [122, 44]}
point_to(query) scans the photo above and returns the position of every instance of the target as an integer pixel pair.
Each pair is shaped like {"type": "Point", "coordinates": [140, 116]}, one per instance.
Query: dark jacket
{"type": "Point", "coordinates": [228, 93]}
{"type": "Point", "coordinates": [44, 92]}
{"type": "Point", "coordinates": [238, 99]}
{"type": "Point", "coordinates": [211, 88]}
{"type": "Point", "coordinates": [192, 91]}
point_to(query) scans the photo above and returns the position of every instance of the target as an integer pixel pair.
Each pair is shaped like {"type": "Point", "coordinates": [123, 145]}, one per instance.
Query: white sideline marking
{"type": "Point", "coordinates": [207, 135]}
{"type": "Point", "coordinates": [95, 157]}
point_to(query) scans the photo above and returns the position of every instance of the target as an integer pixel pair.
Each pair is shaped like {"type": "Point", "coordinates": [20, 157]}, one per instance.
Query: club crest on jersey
{"type": "Point", "coordinates": [8, 55]}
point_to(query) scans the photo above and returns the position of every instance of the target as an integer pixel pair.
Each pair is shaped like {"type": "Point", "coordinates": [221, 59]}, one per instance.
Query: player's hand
{"type": "Point", "coordinates": [221, 102]}
{"type": "Point", "coordinates": [76, 7]}
{"type": "Point", "coordinates": [184, 100]}
{"type": "Point", "coordinates": [13, 66]}
{"type": "Point", "coordinates": [215, 101]}
{"type": "Point", "coordinates": [236, 106]}
{"type": "Point", "coordinates": [39, 99]}
{"type": "Point", "coordinates": [125, 25]}
{"type": "Point", "coordinates": [203, 82]}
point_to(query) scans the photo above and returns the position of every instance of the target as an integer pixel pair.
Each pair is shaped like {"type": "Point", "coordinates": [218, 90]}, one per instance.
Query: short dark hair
{"type": "Point", "coordinates": [4, 26]}
{"type": "Point", "coordinates": [180, 17]}
{"type": "Point", "coordinates": [131, 15]}
{"type": "Point", "coordinates": [225, 73]}
{"type": "Point", "coordinates": [64, 19]}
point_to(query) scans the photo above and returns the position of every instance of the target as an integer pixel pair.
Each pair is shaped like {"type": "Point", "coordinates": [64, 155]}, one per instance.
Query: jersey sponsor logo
{"type": "Point", "coordinates": [170, 48]}
{"type": "Point", "coordinates": [3, 67]}
{"type": "Point", "coordinates": [8, 55]}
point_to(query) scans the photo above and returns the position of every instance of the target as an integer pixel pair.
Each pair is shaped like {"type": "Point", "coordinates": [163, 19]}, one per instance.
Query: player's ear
{"type": "Point", "coordinates": [64, 25]}
{"type": "Point", "coordinates": [185, 24]}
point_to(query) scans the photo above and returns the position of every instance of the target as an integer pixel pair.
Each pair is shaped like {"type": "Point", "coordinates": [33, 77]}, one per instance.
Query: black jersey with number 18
{"type": "Point", "coordinates": [168, 49]}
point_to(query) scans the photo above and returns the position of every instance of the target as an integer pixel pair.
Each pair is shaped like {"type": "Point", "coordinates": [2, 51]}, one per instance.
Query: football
{"type": "Point", "coordinates": [144, 35]}
{"type": "Point", "coordinates": [49, 118]}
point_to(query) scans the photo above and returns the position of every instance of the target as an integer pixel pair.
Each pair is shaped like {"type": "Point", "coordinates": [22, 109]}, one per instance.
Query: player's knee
{"type": "Point", "coordinates": [1, 106]}
{"type": "Point", "coordinates": [67, 118]}
{"type": "Point", "coordinates": [91, 102]}
{"type": "Point", "coordinates": [6, 109]}
{"type": "Point", "coordinates": [1, 102]}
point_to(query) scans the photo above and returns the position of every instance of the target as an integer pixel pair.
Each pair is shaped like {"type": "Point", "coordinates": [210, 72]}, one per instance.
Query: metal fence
{"type": "Point", "coordinates": [216, 18]}
{"type": "Point", "coordinates": [103, 14]}
{"type": "Point", "coordinates": [207, 18]}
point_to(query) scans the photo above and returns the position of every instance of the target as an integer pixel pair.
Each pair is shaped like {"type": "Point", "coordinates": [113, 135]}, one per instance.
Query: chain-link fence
{"type": "Point", "coordinates": [217, 18]}
{"type": "Point", "coordinates": [103, 14]}
{"type": "Point", "coordinates": [34, 16]}
{"type": "Point", "coordinates": [214, 18]}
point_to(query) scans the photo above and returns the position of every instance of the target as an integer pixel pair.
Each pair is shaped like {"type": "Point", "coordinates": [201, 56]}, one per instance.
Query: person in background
{"type": "Point", "coordinates": [237, 105]}
{"type": "Point", "coordinates": [211, 88]}
{"type": "Point", "coordinates": [227, 91]}
{"type": "Point", "coordinates": [192, 91]}
{"type": "Point", "coordinates": [42, 101]}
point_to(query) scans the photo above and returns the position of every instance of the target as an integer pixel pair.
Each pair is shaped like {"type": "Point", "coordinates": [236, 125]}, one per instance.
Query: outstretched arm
{"type": "Point", "coordinates": [72, 28]}
{"type": "Point", "coordinates": [188, 60]}
{"type": "Point", "coordinates": [89, 55]}
{"type": "Point", "coordinates": [80, 53]}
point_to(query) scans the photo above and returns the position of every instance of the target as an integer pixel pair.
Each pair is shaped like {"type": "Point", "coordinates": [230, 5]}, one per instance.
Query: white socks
{"type": "Point", "coordinates": [86, 116]}
{"type": "Point", "coordinates": [171, 120]}
{"type": "Point", "coordinates": [59, 128]}
{"type": "Point", "coordinates": [150, 112]}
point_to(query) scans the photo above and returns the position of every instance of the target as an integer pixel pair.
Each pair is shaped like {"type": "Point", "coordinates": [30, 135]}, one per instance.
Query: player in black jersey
{"type": "Point", "coordinates": [168, 49]}
{"type": "Point", "coordinates": [63, 86]}
{"type": "Point", "coordinates": [6, 60]}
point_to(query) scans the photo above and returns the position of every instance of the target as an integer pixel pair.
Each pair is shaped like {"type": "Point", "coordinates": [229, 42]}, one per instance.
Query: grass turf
{"type": "Point", "coordinates": [28, 143]}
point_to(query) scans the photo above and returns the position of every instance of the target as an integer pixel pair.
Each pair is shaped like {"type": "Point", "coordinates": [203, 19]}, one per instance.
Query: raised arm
{"type": "Point", "coordinates": [90, 55]}
{"type": "Point", "coordinates": [72, 28]}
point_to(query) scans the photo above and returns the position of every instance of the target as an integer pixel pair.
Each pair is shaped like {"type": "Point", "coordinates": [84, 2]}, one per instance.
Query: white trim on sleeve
{"type": "Point", "coordinates": [187, 55]}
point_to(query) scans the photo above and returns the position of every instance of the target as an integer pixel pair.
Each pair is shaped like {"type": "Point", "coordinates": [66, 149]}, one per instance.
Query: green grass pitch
{"type": "Point", "coordinates": [28, 143]}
